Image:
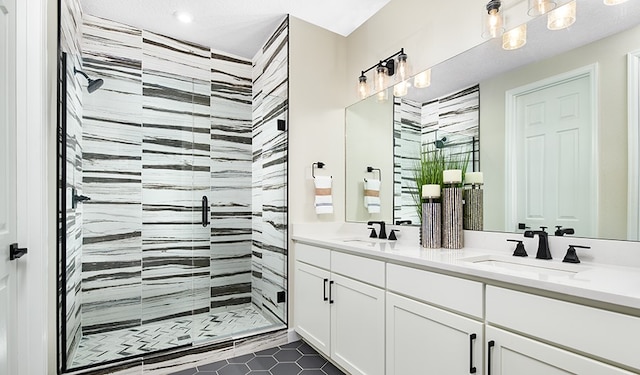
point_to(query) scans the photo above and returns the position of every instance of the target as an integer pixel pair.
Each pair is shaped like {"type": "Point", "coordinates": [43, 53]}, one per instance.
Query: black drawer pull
{"type": "Point", "coordinates": [324, 290]}
{"type": "Point", "coordinates": [491, 345]}
{"type": "Point", "coordinates": [330, 298]}
{"type": "Point", "coordinates": [205, 211]}
{"type": "Point", "coordinates": [472, 369]}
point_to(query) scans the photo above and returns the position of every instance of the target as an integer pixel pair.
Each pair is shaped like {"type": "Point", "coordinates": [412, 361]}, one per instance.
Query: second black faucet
{"type": "Point", "coordinates": [382, 234]}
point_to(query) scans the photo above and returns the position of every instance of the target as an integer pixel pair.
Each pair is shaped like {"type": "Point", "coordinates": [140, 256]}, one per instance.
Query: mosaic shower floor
{"type": "Point", "coordinates": [125, 343]}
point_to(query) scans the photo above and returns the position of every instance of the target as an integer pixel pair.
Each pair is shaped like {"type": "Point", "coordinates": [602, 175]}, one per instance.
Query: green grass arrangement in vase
{"type": "Point", "coordinates": [427, 171]}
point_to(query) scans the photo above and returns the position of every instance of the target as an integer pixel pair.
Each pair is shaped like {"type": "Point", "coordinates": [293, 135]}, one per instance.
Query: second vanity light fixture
{"type": "Point", "coordinates": [383, 70]}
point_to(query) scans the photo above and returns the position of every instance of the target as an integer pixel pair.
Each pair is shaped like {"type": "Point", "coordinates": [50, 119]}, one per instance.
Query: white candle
{"type": "Point", "coordinates": [430, 191]}
{"type": "Point", "coordinates": [473, 178]}
{"type": "Point", "coordinates": [452, 176]}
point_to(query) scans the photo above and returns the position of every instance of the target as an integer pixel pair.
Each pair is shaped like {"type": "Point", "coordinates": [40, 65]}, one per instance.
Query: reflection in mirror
{"type": "Point", "coordinates": [601, 40]}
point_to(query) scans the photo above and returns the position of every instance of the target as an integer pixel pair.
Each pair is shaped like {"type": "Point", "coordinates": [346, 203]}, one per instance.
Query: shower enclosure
{"type": "Point", "coordinates": [172, 192]}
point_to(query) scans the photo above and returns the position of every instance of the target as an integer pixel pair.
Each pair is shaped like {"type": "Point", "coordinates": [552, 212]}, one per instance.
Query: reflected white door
{"type": "Point", "coordinates": [555, 162]}
{"type": "Point", "coordinates": [7, 186]}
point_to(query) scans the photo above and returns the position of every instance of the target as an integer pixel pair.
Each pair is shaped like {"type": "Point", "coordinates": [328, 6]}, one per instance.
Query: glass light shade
{"type": "Point", "coordinates": [562, 17]}
{"type": "Point", "coordinates": [403, 69]}
{"type": "Point", "coordinates": [516, 38]}
{"type": "Point", "coordinates": [382, 95]}
{"type": "Point", "coordinates": [401, 89]}
{"type": "Point", "coordinates": [492, 24]}
{"type": "Point", "coordinates": [381, 78]}
{"type": "Point", "coordinates": [614, 2]}
{"type": "Point", "coordinates": [422, 79]}
{"type": "Point", "coordinates": [363, 87]}
{"type": "Point", "coordinates": [538, 7]}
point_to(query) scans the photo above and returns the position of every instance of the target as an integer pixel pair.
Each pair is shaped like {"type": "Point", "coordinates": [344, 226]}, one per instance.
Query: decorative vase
{"type": "Point", "coordinates": [473, 208]}
{"type": "Point", "coordinates": [452, 217]}
{"type": "Point", "coordinates": [431, 230]}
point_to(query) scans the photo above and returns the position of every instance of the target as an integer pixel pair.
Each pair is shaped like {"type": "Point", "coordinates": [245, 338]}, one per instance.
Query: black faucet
{"type": "Point", "coordinates": [543, 242]}
{"type": "Point", "coordinates": [562, 232]}
{"type": "Point", "coordinates": [383, 233]}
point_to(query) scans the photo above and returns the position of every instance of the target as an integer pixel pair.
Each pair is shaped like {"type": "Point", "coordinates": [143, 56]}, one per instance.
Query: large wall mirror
{"type": "Point", "coordinates": [493, 104]}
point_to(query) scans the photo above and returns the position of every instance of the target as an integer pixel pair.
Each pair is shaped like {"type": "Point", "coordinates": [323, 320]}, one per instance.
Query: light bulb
{"type": "Point", "coordinates": [403, 67]}
{"type": "Point", "coordinates": [516, 38]}
{"type": "Point", "coordinates": [562, 17]}
{"type": "Point", "coordinates": [381, 77]}
{"type": "Point", "coordinates": [363, 86]}
{"type": "Point", "coordinates": [422, 79]}
{"type": "Point", "coordinates": [492, 20]}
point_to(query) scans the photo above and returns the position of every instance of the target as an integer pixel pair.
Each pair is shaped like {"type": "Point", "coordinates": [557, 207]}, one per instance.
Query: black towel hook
{"type": "Point", "coordinates": [371, 169]}
{"type": "Point", "coordinates": [319, 164]}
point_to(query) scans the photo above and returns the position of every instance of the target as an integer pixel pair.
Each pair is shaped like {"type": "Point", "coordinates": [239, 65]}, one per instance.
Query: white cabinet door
{"type": "Point", "coordinates": [511, 354]}
{"type": "Point", "coordinates": [311, 305]}
{"type": "Point", "coordinates": [357, 326]}
{"type": "Point", "coordinates": [422, 339]}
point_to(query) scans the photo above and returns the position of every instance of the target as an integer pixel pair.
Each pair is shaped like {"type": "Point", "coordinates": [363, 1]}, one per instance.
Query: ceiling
{"type": "Point", "coordinates": [239, 27]}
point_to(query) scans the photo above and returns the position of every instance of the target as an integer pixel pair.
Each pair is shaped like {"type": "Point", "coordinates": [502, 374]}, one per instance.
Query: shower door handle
{"type": "Point", "coordinates": [205, 211]}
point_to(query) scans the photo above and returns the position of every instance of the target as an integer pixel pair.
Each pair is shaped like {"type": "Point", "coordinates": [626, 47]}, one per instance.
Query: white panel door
{"type": "Point", "coordinates": [422, 339]}
{"type": "Point", "coordinates": [7, 187]}
{"type": "Point", "coordinates": [555, 166]}
{"type": "Point", "coordinates": [511, 354]}
{"type": "Point", "coordinates": [311, 306]}
{"type": "Point", "coordinates": [357, 326]}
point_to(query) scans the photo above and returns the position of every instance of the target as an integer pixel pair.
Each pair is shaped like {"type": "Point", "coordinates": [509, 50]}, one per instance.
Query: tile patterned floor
{"type": "Point", "coordinates": [103, 347]}
{"type": "Point", "coordinates": [296, 358]}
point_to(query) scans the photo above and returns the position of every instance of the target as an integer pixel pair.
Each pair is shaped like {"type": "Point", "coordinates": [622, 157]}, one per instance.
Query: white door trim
{"type": "Point", "coordinates": [511, 193]}
{"type": "Point", "coordinates": [633, 108]}
{"type": "Point", "coordinates": [32, 181]}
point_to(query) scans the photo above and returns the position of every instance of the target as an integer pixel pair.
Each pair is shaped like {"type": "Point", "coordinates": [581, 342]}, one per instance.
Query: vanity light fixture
{"type": "Point", "coordinates": [384, 69]}
{"type": "Point", "coordinates": [614, 2]}
{"type": "Point", "coordinates": [492, 23]}
{"type": "Point", "coordinates": [562, 17]}
{"type": "Point", "coordinates": [538, 7]}
{"type": "Point", "coordinates": [516, 38]}
{"type": "Point", "coordinates": [422, 79]}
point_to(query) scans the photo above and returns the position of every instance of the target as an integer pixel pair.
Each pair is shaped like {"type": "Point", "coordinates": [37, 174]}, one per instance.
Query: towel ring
{"type": "Point", "coordinates": [319, 164]}
{"type": "Point", "coordinates": [371, 169]}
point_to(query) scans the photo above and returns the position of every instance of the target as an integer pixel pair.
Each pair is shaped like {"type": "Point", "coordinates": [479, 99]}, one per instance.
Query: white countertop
{"type": "Point", "coordinates": [611, 284]}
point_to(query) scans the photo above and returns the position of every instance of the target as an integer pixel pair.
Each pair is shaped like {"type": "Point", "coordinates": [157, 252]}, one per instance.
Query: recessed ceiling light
{"type": "Point", "coordinates": [183, 17]}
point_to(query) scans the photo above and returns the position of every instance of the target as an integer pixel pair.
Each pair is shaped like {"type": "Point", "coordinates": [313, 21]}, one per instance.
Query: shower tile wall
{"type": "Point", "coordinates": [230, 181]}
{"type": "Point", "coordinates": [70, 36]}
{"type": "Point", "coordinates": [270, 93]}
{"type": "Point", "coordinates": [407, 128]}
{"type": "Point", "coordinates": [112, 163]}
{"type": "Point", "coordinates": [173, 122]}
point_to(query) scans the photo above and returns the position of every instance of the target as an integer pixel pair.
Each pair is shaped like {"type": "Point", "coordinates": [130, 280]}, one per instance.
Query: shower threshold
{"type": "Point", "coordinates": [196, 330]}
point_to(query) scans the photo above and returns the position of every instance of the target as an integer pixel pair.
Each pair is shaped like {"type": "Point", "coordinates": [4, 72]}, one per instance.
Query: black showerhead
{"type": "Point", "coordinates": [93, 84]}
{"type": "Point", "coordinates": [440, 142]}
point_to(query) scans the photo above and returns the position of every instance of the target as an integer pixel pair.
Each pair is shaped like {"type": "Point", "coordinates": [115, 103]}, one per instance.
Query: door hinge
{"type": "Point", "coordinates": [15, 252]}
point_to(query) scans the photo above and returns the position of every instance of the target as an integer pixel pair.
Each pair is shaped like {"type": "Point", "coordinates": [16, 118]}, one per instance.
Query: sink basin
{"type": "Point", "coordinates": [527, 267]}
{"type": "Point", "coordinates": [365, 241]}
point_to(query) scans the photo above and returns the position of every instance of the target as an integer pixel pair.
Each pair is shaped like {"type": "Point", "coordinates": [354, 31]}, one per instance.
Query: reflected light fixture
{"type": "Point", "coordinates": [183, 16]}
{"type": "Point", "coordinates": [516, 38]}
{"type": "Point", "coordinates": [492, 20]}
{"type": "Point", "coordinates": [422, 79]}
{"type": "Point", "coordinates": [401, 89]}
{"type": "Point", "coordinates": [562, 17]}
{"type": "Point", "coordinates": [383, 70]}
{"type": "Point", "coordinates": [614, 2]}
{"type": "Point", "coordinates": [538, 7]}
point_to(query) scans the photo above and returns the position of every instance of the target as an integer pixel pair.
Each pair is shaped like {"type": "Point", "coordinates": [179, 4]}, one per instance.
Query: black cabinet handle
{"type": "Point", "coordinates": [491, 345]}
{"type": "Point", "coordinates": [330, 298]}
{"type": "Point", "coordinates": [324, 290]}
{"type": "Point", "coordinates": [205, 211]}
{"type": "Point", "coordinates": [472, 369]}
{"type": "Point", "coordinates": [16, 252]}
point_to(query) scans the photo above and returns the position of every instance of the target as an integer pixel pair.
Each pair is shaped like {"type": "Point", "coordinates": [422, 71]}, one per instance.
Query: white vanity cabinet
{"type": "Point", "coordinates": [424, 339]}
{"type": "Point", "coordinates": [512, 354]}
{"type": "Point", "coordinates": [595, 332]}
{"type": "Point", "coordinates": [341, 316]}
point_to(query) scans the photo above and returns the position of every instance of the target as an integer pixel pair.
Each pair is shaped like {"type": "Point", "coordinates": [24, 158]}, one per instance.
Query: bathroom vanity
{"type": "Point", "coordinates": [390, 307]}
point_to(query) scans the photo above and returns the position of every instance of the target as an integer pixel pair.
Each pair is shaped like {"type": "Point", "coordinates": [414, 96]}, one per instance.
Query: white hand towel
{"type": "Point", "coordinates": [324, 200]}
{"type": "Point", "coordinates": [372, 196]}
